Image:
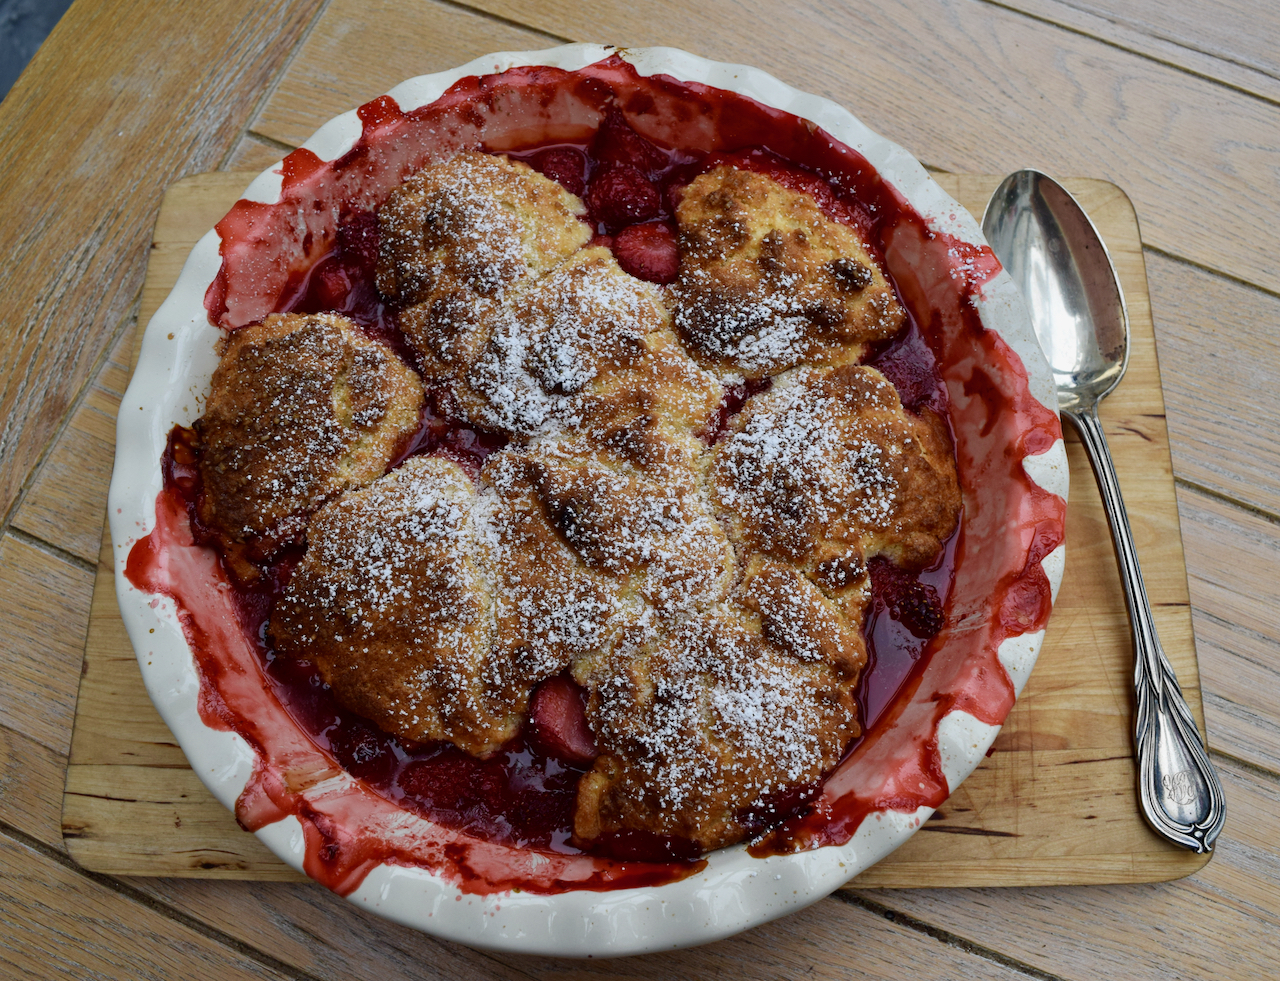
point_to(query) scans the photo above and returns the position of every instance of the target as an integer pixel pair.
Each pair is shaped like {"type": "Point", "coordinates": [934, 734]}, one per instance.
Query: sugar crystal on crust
{"type": "Point", "coordinates": [702, 722]}
{"type": "Point", "coordinates": [394, 603]}
{"type": "Point", "coordinates": [478, 222]}
{"type": "Point", "coordinates": [583, 345]}
{"type": "Point", "coordinates": [828, 455]}
{"type": "Point", "coordinates": [455, 237]}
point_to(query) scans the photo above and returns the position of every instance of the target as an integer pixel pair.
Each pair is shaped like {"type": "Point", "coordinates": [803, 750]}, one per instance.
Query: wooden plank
{"type": "Point", "coordinates": [42, 621]}
{"type": "Point", "coordinates": [67, 501]}
{"type": "Point", "coordinates": [1233, 556]}
{"type": "Point", "coordinates": [1241, 678]}
{"type": "Point", "coordinates": [965, 85]}
{"type": "Point", "coordinates": [74, 927]}
{"type": "Point", "coordinates": [115, 719]}
{"type": "Point", "coordinates": [320, 933]}
{"type": "Point", "coordinates": [1224, 922]}
{"type": "Point", "coordinates": [1221, 380]}
{"type": "Point", "coordinates": [831, 939]}
{"type": "Point", "coordinates": [133, 808]}
{"type": "Point", "coordinates": [253, 154]}
{"type": "Point", "coordinates": [1054, 803]}
{"type": "Point", "coordinates": [31, 783]}
{"type": "Point", "coordinates": [90, 136]}
{"type": "Point", "coordinates": [323, 934]}
{"type": "Point", "coordinates": [1237, 582]}
{"type": "Point", "coordinates": [1230, 41]}
{"type": "Point", "coordinates": [358, 51]}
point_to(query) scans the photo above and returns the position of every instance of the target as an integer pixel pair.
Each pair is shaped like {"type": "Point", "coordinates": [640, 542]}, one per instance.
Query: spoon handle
{"type": "Point", "coordinates": [1179, 790]}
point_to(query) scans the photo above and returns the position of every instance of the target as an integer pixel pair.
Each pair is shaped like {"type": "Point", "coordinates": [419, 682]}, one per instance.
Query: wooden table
{"type": "Point", "coordinates": [1181, 108]}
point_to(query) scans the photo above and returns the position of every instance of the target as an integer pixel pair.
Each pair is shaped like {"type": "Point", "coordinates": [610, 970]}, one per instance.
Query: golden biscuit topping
{"type": "Point", "coordinates": [767, 281]}
{"type": "Point", "coordinates": [393, 603]}
{"type": "Point", "coordinates": [829, 455]}
{"type": "Point", "coordinates": [704, 583]}
{"type": "Point", "coordinates": [475, 222]}
{"type": "Point", "coordinates": [702, 722]}
{"type": "Point", "coordinates": [552, 345]}
{"type": "Point", "coordinates": [303, 406]}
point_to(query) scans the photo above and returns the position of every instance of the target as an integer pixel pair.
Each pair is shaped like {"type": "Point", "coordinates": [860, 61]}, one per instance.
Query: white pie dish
{"type": "Point", "coordinates": [735, 890]}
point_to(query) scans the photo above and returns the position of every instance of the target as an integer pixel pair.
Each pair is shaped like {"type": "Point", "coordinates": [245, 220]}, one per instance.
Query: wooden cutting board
{"type": "Point", "coordinates": [1053, 804]}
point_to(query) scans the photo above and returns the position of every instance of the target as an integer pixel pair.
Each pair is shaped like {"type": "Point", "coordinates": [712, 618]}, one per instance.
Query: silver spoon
{"type": "Point", "coordinates": [1049, 246]}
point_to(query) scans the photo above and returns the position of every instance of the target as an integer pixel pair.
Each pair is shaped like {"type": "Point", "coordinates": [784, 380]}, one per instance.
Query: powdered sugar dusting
{"type": "Point", "coordinates": [767, 281]}
{"type": "Point", "coordinates": [756, 331]}
{"type": "Point", "coordinates": [801, 444]}
{"type": "Point", "coordinates": [689, 588]}
{"type": "Point", "coordinates": [551, 341]}
{"type": "Point", "coordinates": [715, 721]}
{"type": "Point", "coordinates": [302, 407]}
{"type": "Point", "coordinates": [372, 541]}
{"type": "Point", "coordinates": [476, 222]}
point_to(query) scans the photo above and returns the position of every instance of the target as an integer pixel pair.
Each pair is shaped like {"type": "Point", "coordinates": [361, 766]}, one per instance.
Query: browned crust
{"type": "Point", "coordinates": [828, 464]}
{"type": "Point", "coordinates": [585, 348]}
{"type": "Point", "coordinates": [302, 407]}
{"type": "Point", "coordinates": [703, 723]}
{"type": "Point", "coordinates": [768, 282]}
{"type": "Point", "coordinates": [454, 237]}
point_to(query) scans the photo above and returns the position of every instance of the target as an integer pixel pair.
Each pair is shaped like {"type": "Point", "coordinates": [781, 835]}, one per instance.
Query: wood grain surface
{"type": "Point", "coordinates": [1053, 804]}
{"type": "Point", "coordinates": [1176, 103]}
{"type": "Point", "coordinates": [75, 247]}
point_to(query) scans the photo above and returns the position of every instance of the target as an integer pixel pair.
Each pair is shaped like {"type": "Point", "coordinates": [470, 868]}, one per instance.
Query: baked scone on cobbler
{"type": "Point", "coordinates": [433, 606]}
{"type": "Point", "coordinates": [302, 407]}
{"type": "Point", "coordinates": [827, 467]}
{"type": "Point", "coordinates": [647, 529]}
{"type": "Point", "coordinates": [455, 236]}
{"type": "Point", "coordinates": [767, 281]}
{"type": "Point", "coordinates": [695, 560]}
{"type": "Point", "coordinates": [393, 602]}
{"type": "Point", "coordinates": [706, 724]}
{"type": "Point", "coordinates": [585, 345]}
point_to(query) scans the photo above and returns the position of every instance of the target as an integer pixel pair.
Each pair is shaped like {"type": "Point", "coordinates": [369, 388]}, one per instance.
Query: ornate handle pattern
{"type": "Point", "coordinates": [1179, 790]}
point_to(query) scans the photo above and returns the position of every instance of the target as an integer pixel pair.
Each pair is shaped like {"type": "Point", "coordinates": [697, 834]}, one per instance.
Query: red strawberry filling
{"type": "Point", "coordinates": [358, 240]}
{"type": "Point", "coordinates": [912, 603]}
{"type": "Point", "coordinates": [622, 196]}
{"type": "Point", "coordinates": [648, 252]}
{"type": "Point", "coordinates": [907, 362]}
{"type": "Point", "coordinates": [363, 751]}
{"type": "Point", "coordinates": [565, 165]}
{"type": "Point", "coordinates": [331, 284]}
{"type": "Point", "coordinates": [558, 716]}
{"type": "Point", "coordinates": [617, 143]}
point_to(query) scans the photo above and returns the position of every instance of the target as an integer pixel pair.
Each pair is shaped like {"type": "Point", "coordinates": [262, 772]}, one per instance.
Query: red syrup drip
{"type": "Point", "coordinates": [294, 256]}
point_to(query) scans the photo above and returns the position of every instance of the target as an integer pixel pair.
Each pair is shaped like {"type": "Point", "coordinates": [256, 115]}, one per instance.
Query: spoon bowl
{"type": "Point", "coordinates": [1052, 251]}
{"type": "Point", "coordinates": [1049, 247]}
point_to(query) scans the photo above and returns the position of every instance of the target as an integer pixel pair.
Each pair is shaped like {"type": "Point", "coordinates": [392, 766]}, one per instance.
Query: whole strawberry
{"type": "Point", "coordinates": [912, 603]}
{"type": "Point", "coordinates": [648, 252]}
{"type": "Point", "coordinates": [617, 144]}
{"type": "Point", "coordinates": [565, 165]}
{"type": "Point", "coordinates": [620, 195]}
